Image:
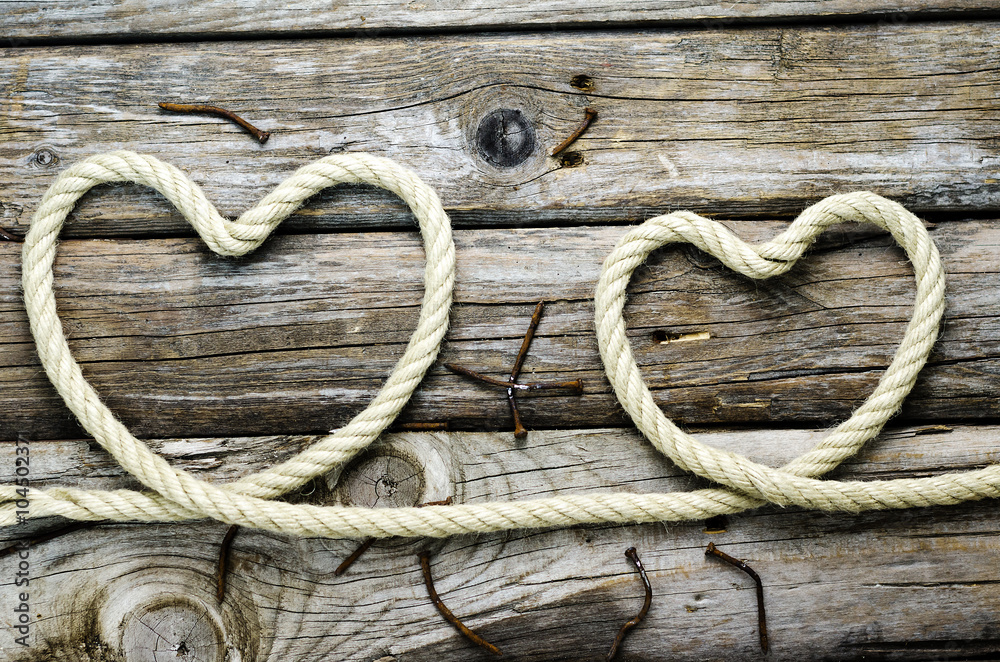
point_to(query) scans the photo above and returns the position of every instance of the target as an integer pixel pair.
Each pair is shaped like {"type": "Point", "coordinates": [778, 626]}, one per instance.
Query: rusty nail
{"type": "Point", "coordinates": [261, 136]}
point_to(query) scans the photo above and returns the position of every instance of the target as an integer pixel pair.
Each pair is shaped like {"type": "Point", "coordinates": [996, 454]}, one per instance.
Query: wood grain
{"type": "Point", "coordinates": [297, 337]}
{"type": "Point", "coordinates": [746, 111]}
{"type": "Point", "coordinates": [738, 122]}
{"type": "Point", "coordinates": [36, 20]}
{"type": "Point", "coordinates": [881, 586]}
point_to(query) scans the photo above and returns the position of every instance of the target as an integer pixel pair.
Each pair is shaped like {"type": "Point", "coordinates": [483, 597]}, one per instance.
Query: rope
{"type": "Point", "coordinates": [177, 495]}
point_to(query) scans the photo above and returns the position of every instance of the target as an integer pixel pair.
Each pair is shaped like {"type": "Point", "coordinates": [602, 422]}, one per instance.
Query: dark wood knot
{"type": "Point", "coordinates": [505, 138]}
{"type": "Point", "coordinates": [45, 158]}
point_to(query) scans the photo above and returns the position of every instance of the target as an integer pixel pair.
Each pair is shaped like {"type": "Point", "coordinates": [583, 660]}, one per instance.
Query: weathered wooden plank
{"type": "Point", "coordinates": [881, 586]}
{"type": "Point", "coordinates": [743, 122]}
{"type": "Point", "coordinates": [31, 20]}
{"type": "Point", "coordinates": [297, 337]}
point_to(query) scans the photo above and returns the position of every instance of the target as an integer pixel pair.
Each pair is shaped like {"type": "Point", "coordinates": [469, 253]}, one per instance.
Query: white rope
{"type": "Point", "coordinates": [178, 495]}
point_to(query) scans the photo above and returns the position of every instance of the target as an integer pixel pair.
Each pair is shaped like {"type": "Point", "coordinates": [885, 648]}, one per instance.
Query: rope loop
{"type": "Point", "coordinates": [175, 494]}
{"type": "Point", "coordinates": [757, 483]}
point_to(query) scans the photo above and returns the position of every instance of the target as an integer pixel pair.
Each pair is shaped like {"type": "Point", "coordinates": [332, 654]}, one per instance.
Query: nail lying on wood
{"type": "Point", "coordinates": [536, 317]}
{"type": "Point", "coordinates": [423, 426]}
{"type": "Point", "coordinates": [7, 236]}
{"type": "Point", "coordinates": [425, 565]}
{"type": "Point", "coordinates": [761, 616]}
{"type": "Point", "coordinates": [363, 547]}
{"type": "Point", "coordinates": [632, 554]}
{"type": "Point", "coordinates": [442, 502]}
{"type": "Point", "coordinates": [220, 573]}
{"type": "Point", "coordinates": [261, 136]}
{"type": "Point", "coordinates": [589, 115]}
{"type": "Point", "coordinates": [511, 384]}
{"type": "Point", "coordinates": [355, 555]}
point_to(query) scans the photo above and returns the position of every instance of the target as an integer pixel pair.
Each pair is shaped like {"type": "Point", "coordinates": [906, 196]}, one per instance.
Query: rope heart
{"type": "Point", "coordinates": [177, 495]}
{"type": "Point", "coordinates": [753, 484]}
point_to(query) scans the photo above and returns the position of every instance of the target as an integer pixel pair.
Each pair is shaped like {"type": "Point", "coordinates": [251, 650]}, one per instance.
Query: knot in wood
{"type": "Point", "coordinates": [45, 158]}
{"type": "Point", "coordinates": [172, 630]}
{"type": "Point", "coordinates": [384, 479]}
{"type": "Point", "coordinates": [505, 138]}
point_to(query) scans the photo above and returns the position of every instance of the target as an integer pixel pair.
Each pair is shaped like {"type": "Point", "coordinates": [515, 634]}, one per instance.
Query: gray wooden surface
{"type": "Point", "coordinates": [41, 20]}
{"type": "Point", "coordinates": [747, 112]}
{"type": "Point", "coordinates": [298, 337]}
{"type": "Point", "coordinates": [907, 585]}
{"type": "Point", "coordinates": [740, 122]}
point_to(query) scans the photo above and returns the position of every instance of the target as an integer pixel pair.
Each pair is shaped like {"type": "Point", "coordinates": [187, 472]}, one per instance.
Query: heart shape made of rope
{"type": "Point", "coordinates": [752, 484]}
{"type": "Point", "coordinates": [176, 489]}
{"type": "Point", "coordinates": [178, 495]}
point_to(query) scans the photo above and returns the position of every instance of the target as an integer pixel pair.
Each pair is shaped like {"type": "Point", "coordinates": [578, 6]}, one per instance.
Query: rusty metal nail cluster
{"type": "Point", "coordinates": [511, 384]}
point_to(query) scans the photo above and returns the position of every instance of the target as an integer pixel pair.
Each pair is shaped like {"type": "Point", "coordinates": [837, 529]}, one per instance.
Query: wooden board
{"type": "Point", "coordinates": [735, 122]}
{"type": "Point", "coordinates": [884, 586]}
{"type": "Point", "coordinates": [29, 21]}
{"type": "Point", "coordinates": [298, 337]}
{"type": "Point", "coordinates": [745, 111]}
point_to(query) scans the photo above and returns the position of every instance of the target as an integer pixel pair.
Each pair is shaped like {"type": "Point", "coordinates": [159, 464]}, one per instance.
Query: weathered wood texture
{"type": "Point", "coordinates": [298, 337]}
{"type": "Point", "coordinates": [24, 20]}
{"type": "Point", "coordinates": [882, 586]}
{"type": "Point", "coordinates": [750, 122]}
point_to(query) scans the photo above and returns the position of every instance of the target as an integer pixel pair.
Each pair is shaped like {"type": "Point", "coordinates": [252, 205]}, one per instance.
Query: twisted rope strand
{"type": "Point", "coordinates": [177, 495]}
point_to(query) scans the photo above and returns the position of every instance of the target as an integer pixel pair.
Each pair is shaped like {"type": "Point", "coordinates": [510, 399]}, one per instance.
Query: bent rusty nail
{"type": "Point", "coordinates": [632, 554]}
{"type": "Point", "coordinates": [425, 566]}
{"type": "Point", "coordinates": [589, 115]}
{"type": "Point", "coordinates": [349, 561]}
{"type": "Point", "coordinates": [712, 550]}
{"type": "Point", "coordinates": [261, 136]}
{"type": "Point", "coordinates": [8, 236]}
